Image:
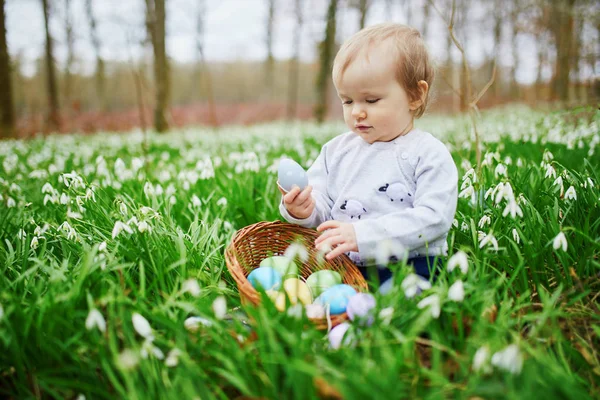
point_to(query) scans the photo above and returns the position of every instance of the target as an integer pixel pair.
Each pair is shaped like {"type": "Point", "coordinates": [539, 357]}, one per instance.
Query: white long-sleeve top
{"type": "Point", "coordinates": [402, 192]}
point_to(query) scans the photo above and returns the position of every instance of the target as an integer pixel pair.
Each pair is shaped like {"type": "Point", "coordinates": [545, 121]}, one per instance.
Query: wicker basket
{"type": "Point", "coordinates": [256, 242]}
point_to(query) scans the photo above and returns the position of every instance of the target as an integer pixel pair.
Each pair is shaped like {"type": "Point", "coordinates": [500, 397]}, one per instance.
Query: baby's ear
{"type": "Point", "coordinates": [423, 89]}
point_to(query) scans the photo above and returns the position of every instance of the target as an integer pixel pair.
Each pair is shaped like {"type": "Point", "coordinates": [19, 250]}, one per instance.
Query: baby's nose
{"type": "Point", "coordinates": [359, 112]}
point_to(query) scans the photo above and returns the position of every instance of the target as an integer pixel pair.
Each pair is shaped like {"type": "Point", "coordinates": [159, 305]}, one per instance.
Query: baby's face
{"type": "Point", "coordinates": [376, 107]}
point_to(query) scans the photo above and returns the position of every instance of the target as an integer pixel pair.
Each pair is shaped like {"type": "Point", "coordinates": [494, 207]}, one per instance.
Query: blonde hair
{"type": "Point", "coordinates": [412, 58]}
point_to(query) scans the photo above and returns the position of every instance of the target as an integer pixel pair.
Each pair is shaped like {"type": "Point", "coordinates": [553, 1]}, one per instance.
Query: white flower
{"type": "Point", "coordinates": [10, 202]}
{"type": "Point", "coordinates": [570, 194]}
{"type": "Point", "coordinates": [489, 239]}
{"type": "Point", "coordinates": [509, 359]}
{"type": "Point", "coordinates": [219, 307]}
{"type": "Point", "coordinates": [119, 227]}
{"type": "Point", "coordinates": [467, 193]}
{"type": "Point", "coordinates": [460, 260]}
{"type": "Point", "coordinates": [559, 182]}
{"type": "Point", "coordinates": [315, 311]}
{"type": "Point", "coordinates": [516, 236]}
{"type": "Point", "coordinates": [295, 311]}
{"type": "Point", "coordinates": [513, 208]}
{"type": "Point", "coordinates": [102, 246]}
{"type": "Point", "coordinates": [192, 324]}
{"type": "Point", "coordinates": [128, 359]}
{"type": "Point", "coordinates": [500, 170]}
{"type": "Point", "coordinates": [590, 181]}
{"type": "Point", "coordinates": [464, 226]}
{"type": "Point", "coordinates": [433, 302]}
{"type": "Point", "coordinates": [143, 227]}
{"type": "Point", "coordinates": [64, 198]}
{"type": "Point", "coordinates": [296, 249]}
{"type": "Point", "coordinates": [196, 201]}
{"type": "Point", "coordinates": [386, 315]}
{"type": "Point", "coordinates": [173, 358]}
{"type": "Point", "coordinates": [21, 234]}
{"type": "Point", "coordinates": [95, 319]}
{"type": "Point", "coordinates": [550, 172]}
{"type": "Point", "coordinates": [222, 202]}
{"type": "Point", "coordinates": [485, 220]}
{"type": "Point", "coordinates": [141, 326]}
{"type": "Point", "coordinates": [413, 284]}
{"type": "Point", "coordinates": [47, 188]}
{"type": "Point", "coordinates": [480, 360]}
{"type": "Point", "coordinates": [192, 287]}
{"type": "Point", "coordinates": [560, 241]}
{"type": "Point", "coordinates": [148, 347]}
{"type": "Point", "coordinates": [34, 243]}
{"type": "Point", "coordinates": [386, 249]}
{"type": "Point", "coordinates": [123, 208]}
{"type": "Point", "coordinates": [457, 291]}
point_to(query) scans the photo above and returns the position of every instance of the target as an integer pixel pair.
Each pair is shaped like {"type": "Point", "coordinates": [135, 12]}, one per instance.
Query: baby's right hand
{"type": "Point", "coordinates": [300, 204]}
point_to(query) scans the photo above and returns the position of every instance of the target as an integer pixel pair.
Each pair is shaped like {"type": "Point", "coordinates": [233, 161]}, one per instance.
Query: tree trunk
{"type": "Point", "coordinates": [70, 39]}
{"type": "Point", "coordinates": [325, 58]}
{"type": "Point", "coordinates": [53, 117]}
{"type": "Point", "coordinates": [514, 87]}
{"type": "Point", "coordinates": [562, 24]}
{"type": "Point", "coordinates": [155, 20]}
{"type": "Point", "coordinates": [270, 61]}
{"type": "Point", "coordinates": [293, 74]}
{"type": "Point", "coordinates": [203, 73]}
{"type": "Point", "coordinates": [363, 8]}
{"type": "Point", "coordinates": [100, 72]}
{"type": "Point", "coordinates": [497, 38]}
{"type": "Point", "coordinates": [7, 113]}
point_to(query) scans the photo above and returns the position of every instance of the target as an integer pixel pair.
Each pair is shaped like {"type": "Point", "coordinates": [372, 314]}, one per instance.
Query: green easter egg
{"type": "Point", "coordinates": [281, 264]}
{"type": "Point", "coordinates": [320, 281]}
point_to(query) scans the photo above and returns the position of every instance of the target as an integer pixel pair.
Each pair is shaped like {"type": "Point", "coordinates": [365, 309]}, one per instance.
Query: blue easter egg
{"type": "Point", "coordinates": [265, 277]}
{"type": "Point", "coordinates": [337, 297]}
{"type": "Point", "coordinates": [291, 173]}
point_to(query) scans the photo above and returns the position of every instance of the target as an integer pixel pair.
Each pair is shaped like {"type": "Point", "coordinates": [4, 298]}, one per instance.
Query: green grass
{"type": "Point", "coordinates": [59, 260]}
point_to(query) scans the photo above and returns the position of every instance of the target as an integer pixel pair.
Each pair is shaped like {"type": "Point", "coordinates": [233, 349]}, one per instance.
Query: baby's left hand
{"type": "Point", "coordinates": [339, 236]}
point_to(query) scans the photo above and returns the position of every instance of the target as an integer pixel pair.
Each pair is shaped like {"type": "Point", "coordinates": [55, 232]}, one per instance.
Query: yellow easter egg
{"type": "Point", "coordinates": [297, 290]}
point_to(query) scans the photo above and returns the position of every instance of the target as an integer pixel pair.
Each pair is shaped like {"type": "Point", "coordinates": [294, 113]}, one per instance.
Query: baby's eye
{"type": "Point", "coordinates": [347, 102]}
{"type": "Point", "coordinates": [372, 101]}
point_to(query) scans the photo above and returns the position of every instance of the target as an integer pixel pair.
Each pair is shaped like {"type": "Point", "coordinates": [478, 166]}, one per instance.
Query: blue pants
{"type": "Point", "coordinates": [424, 266]}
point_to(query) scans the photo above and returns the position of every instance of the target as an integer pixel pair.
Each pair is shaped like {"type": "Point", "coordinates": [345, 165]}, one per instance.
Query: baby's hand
{"type": "Point", "coordinates": [339, 236]}
{"type": "Point", "coordinates": [300, 204]}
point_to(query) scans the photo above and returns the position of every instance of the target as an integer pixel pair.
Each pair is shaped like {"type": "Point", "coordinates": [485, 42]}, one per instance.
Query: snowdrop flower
{"type": "Point", "coordinates": [386, 315]}
{"type": "Point", "coordinates": [119, 227]}
{"type": "Point", "coordinates": [34, 243]}
{"type": "Point", "coordinates": [173, 358]}
{"type": "Point", "coordinates": [570, 194]}
{"type": "Point", "coordinates": [460, 260]}
{"type": "Point", "coordinates": [456, 292]}
{"type": "Point", "coordinates": [485, 220]}
{"type": "Point", "coordinates": [195, 201]}
{"type": "Point", "coordinates": [295, 311]}
{"type": "Point", "coordinates": [192, 287]}
{"type": "Point", "coordinates": [219, 307]}
{"type": "Point", "coordinates": [102, 246]}
{"type": "Point", "coordinates": [433, 302]}
{"type": "Point", "coordinates": [516, 236]}
{"type": "Point", "coordinates": [143, 227]}
{"type": "Point", "coordinates": [10, 202]}
{"type": "Point", "coordinates": [21, 234]}
{"type": "Point", "coordinates": [413, 284]}
{"type": "Point", "coordinates": [464, 226]}
{"type": "Point", "coordinates": [148, 347]}
{"type": "Point", "coordinates": [315, 311]}
{"type": "Point", "coordinates": [387, 249]}
{"type": "Point", "coordinates": [64, 199]}
{"type": "Point", "coordinates": [296, 249]}
{"type": "Point", "coordinates": [500, 170]}
{"type": "Point", "coordinates": [95, 320]}
{"type": "Point", "coordinates": [481, 359]}
{"type": "Point", "coordinates": [550, 172]}
{"type": "Point", "coordinates": [468, 192]}
{"type": "Point", "coordinates": [489, 239]}
{"type": "Point", "coordinates": [192, 324]}
{"type": "Point", "coordinates": [122, 208]}
{"type": "Point", "coordinates": [172, 200]}
{"type": "Point", "coordinates": [588, 181]}
{"type": "Point", "coordinates": [222, 202]}
{"type": "Point", "coordinates": [513, 209]}
{"type": "Point", "coordinates": [47, 188]}
{"type": "Point", "coordinates": [559, 182]}
{"type": "Point", "coordinates": [127, 359]}
{"type": "Point", "coordinates": [560, 241]}
{"type": "Point", "coordinates": [73, 214]}
{"type": "Point", "coordinates": [141, 326]}
{"type": "Point", "coordinates": [509, 359]}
